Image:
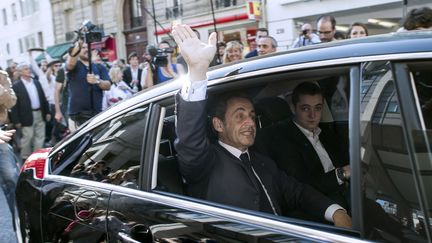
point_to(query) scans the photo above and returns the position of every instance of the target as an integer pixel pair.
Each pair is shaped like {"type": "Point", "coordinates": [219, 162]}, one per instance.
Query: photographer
{"type": "Point", "coordinates": [306, 37]}
{"type": "Point", "coordinates": [162, 68]}
{"type": "Point", "coordinates": [86, 81]}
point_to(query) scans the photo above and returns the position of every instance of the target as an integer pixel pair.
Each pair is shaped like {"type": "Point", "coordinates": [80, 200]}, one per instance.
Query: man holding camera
{"type": "Point", "coordinates": [306, 37]}
{"type": "Point", "coordinates": [85, 88]}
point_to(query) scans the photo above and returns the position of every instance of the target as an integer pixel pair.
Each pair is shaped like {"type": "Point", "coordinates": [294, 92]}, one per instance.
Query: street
{"type": "Point", "coordinates": [7, 233]}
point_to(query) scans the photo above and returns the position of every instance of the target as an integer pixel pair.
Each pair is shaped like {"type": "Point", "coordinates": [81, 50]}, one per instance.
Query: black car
{"type": "Point", "coordinates": [116, 179]}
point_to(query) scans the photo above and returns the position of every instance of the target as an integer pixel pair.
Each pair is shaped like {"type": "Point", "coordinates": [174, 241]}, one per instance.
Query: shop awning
{"type": "Point", "coordinates": [55, 51]}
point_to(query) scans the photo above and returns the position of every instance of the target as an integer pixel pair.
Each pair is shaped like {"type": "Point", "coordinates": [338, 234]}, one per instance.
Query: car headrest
{"type": "Point", "coordinates": [271, 110]}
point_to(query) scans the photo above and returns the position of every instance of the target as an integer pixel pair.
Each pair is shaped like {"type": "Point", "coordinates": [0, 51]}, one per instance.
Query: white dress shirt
{"type": "Point", "coordinates": [313, 138]}
{"type": "Point", "coordinates": [32, 93]}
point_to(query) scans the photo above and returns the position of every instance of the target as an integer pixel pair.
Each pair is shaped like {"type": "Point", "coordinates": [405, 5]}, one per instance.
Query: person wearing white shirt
{"type": "Point", "coordinates": [119, 89]}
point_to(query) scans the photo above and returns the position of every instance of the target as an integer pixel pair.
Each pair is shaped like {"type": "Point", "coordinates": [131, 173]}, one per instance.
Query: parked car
{"type": "Point", "coordinates": [116, 178]}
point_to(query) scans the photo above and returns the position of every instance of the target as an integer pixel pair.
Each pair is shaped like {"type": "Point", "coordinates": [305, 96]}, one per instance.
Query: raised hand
{"type": "Point", "coordinates": [196, 53]}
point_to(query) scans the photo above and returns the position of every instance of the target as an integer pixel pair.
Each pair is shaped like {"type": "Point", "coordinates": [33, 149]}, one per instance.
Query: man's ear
{"type": "Point", "coordinates": [217, 124]}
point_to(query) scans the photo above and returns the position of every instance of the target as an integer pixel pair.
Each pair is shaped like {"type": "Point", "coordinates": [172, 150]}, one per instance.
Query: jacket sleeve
{"type": "Point", "coordinates": [193, 148]}
{"type": "Point", "coordinates": [302, 196]}
{"type": "Point", "coordinates": [15, 119]}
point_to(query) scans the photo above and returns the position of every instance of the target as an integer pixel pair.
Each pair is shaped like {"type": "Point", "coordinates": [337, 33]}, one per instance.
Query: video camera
{"type": "Point", "coordinates": [88, 32]}
{"type": "Point", "coordinates": [161, 57]}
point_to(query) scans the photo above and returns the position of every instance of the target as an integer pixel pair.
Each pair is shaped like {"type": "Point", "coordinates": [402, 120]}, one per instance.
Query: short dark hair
{"type": "Point", "coordinates": [305, 88]}
{"type": "Point", "coordinates": [133, 54]}
{"type": "Point", "coordinates": [221, 43]}
{"type": "Point", "coordinates": [328, 18]}
{"type": "Point", "coordinates": [262, 30]}
{"type": "Point", "coordinates": [418, 18]}
{"type": "Point", "coordinates": [218, 104]}
{"type": "Point", "coordinates": [339, 35]}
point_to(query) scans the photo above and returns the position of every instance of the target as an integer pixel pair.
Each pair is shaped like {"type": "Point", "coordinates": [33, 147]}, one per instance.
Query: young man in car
{"type": "Point", "coordinates": [304, 150]}
{"type": "Point", "coordinates": [227, 172]}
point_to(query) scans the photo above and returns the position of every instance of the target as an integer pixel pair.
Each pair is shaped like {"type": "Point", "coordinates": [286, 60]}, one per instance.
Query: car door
{"type": "Point", "coordinates": [395, 153]}
{"type": "Point", "coordinates": [76, 195]}
{"type": "Point", "coordinates": [73, 208]}
{"type": "Point", "coordinates": [163, 212]}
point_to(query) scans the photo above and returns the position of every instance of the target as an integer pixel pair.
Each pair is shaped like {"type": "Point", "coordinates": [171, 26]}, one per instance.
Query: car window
{"type": "Point", "coordinates": [110, 153]}
{"type": "Point", "coordinates": [271, 96]}
{"type": "Point", "coordinates": [390, 199]}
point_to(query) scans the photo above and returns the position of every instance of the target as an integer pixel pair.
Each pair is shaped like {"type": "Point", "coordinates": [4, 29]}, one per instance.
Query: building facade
{"type": "Point", "coordinates": [229, 18]}
{"type": "Point", "coordinates": [25, 24]}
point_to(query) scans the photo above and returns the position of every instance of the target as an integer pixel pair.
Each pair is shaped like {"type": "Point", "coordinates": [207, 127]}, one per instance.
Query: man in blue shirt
{"type": "Point", "coordinates": [85, 89]}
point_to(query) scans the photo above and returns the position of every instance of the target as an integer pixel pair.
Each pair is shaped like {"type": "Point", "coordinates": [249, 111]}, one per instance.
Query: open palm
{"type": "Point", "coordinates": [194, 51]}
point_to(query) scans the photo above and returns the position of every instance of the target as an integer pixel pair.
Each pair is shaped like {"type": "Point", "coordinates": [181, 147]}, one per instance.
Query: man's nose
{"type": "Point", "coordinates": [312, 114]}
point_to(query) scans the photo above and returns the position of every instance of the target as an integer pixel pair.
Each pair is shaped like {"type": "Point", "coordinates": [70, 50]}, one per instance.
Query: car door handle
{"type": "Point", "coordinates": [126, 239]}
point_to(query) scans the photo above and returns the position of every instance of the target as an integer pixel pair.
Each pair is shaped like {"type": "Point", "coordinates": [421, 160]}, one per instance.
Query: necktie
{"type": "Point", "coordinates": [245, 158]}
{"type": "Point", "coordinates": [266, 202]}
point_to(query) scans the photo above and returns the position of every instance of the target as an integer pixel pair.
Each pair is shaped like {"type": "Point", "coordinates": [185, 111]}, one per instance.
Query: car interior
{"type": "Point", "coordinates": [271, 97]}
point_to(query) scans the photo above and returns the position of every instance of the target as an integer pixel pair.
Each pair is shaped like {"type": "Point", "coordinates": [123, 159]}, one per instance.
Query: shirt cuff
{"type": "Point", "coordinates": [330, 211]}
{"type": "Point", "coordinates": [337, 178]}
{"type": "Point", "coordinates": [194, 91]}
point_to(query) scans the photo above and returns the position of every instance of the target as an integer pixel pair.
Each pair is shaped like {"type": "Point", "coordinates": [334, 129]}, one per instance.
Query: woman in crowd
{"type": "Point", "coordinates": [357, 30]}
{"type": "Point", "coordinates": [119, 89]}
{"type": "Point", "coordinates": [165, 68]}
{"type": "Point", "coordinates": [233, 52]}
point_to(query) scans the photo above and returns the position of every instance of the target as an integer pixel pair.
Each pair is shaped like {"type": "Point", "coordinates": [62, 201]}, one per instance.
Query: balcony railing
{"type": "Point", "coordinates": [174, 12]}
{"type": "Point", "coordinates": [192, 8]}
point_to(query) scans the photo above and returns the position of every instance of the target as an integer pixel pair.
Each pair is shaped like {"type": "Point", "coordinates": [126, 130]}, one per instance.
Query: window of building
{"type": "Point", "coordinates": [40, 39]}
{"type": "Point", "coordinates": [8, 48]}
{"type": "Point", "coordinates": [29, 41]}
{"type": "Point", "coordinates": [136, 13]}
{"type": "Point", "coordinates": [174, 9]}
{"type": "Point", "coordinates": [29, 7]}
{"type": "Point", "coordinates": [14, 12]}
{"type": "Point", "coordinates": [5, 22]}
{"type": "Point", "coordinates": [21, 45]}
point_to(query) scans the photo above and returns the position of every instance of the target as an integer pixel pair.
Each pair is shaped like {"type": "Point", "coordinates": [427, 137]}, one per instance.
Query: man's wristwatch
{"type": "Point", "coordinates": [340, 174]}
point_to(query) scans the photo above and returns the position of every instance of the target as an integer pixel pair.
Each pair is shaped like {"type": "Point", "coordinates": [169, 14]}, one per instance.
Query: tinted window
{"type": "Point", "coordinates": [110, 153]}
{"type": "Point", "coordinates": [390, 198]}
{"type": "Point", "coordinates": [271, 96]}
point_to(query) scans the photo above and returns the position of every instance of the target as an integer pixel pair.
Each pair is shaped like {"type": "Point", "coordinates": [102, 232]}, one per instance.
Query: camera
{"type": "Point", "coordinates": [161, 57]}
{"type": "Point", "coordinates": [89, 32]}
{"type": "Point", "coordinates": [304, 32]}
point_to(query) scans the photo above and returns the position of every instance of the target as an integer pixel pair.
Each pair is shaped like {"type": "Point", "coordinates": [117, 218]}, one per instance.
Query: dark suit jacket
{"type": "Point", "coordinates": [127, 77]}
{"type": "Point", "coordinates": [22, 111]}
{"type": "Point", "coordinates": [214, 174]}
{"type": "Point", "coordinates": [292, 151]}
